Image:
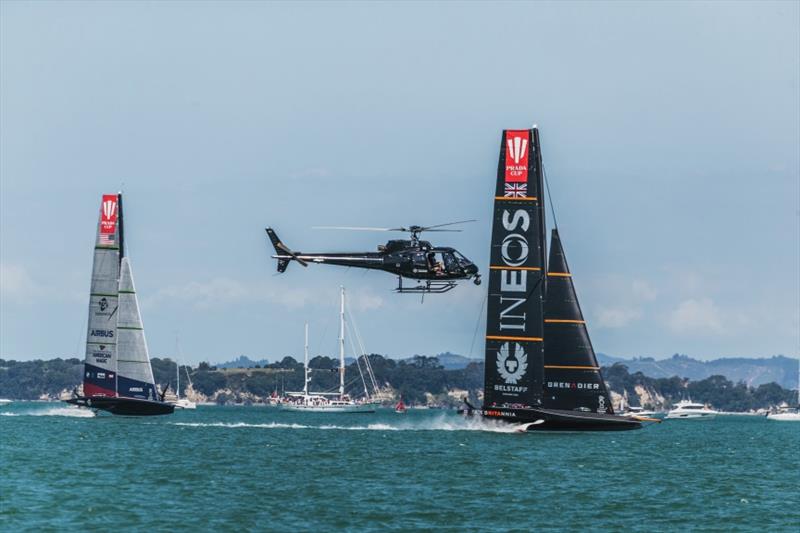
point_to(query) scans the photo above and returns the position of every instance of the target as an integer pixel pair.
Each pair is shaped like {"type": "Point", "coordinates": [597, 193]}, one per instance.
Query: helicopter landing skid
{"type": "Point", "coordinates": [428, 287]}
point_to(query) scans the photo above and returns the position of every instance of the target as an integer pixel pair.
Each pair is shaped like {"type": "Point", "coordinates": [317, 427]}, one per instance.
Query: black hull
{"type": "Point", "coordinates": [558, 420]}
{"type": "Point", "coordinates": [124, 406]}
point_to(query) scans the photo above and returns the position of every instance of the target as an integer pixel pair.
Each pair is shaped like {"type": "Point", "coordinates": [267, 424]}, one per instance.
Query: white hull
{"type": "Point", "coordinates": [784, 417]}
{"type": "Point", "coordinates": [354, 408]}
{"type": "Point", "coordinates": [183, 403]}
{"type": "Point", "coordinates": [691, 416]}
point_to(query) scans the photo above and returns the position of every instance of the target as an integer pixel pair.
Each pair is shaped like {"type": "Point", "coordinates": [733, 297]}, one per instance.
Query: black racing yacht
{"type": "Point", "coordinates": [541, 369]}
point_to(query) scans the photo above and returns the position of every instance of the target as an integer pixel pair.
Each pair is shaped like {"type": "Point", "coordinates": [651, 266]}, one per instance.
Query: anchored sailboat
{"type": "Point", "coordinates": [117, 375]}
{"type": "Point", "coordinates": [333, 402]}
{"type": "Point", "coordinates": [541, 370]}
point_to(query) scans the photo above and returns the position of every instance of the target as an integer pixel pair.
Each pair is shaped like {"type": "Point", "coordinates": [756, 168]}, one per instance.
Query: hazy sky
{"type": "Point", "coordinates": [670, 133]}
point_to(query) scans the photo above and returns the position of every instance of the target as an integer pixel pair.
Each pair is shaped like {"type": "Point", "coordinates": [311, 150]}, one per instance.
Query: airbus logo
{"type": "Point", "coordinates": [517, 147]}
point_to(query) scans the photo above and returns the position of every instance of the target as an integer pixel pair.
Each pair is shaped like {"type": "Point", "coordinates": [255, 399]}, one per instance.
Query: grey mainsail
{"type": "Point", "coordinates": [101, 338]}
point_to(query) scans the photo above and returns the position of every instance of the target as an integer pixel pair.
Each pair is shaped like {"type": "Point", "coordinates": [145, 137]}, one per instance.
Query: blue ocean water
{"type": "Point", "coordinates": [257, 468]}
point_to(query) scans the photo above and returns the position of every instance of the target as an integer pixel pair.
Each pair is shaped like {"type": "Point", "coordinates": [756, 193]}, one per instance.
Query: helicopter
{"type": "Point", "coordinates": [438, 269]}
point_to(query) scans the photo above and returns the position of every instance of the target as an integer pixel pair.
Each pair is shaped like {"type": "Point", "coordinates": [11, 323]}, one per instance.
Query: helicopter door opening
{"type": "Point", "coordinates": [441, 263]}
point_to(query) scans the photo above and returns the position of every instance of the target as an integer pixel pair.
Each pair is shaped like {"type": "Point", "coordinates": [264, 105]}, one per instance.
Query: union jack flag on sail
{"type": "Point", "coordinates": [516, 190]}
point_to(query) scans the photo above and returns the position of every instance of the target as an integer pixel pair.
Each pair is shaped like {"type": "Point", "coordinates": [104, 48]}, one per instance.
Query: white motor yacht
{"type": "Point", "coordinates": [786, 413]}
{"type": "Point", "coordinates": [687, 409]}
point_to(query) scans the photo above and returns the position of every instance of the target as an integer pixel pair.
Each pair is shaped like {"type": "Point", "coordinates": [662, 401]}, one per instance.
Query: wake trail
{"type": "Point", "coordinates": [54, 411]}
{"type": "Point", "coordinates": [440, 424]}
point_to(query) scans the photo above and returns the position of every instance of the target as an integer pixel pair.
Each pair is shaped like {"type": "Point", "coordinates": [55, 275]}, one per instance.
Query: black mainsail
{"type": "Point", "coordinates": [541, 371]}
{"type": "Point", "coordinates": [514, 327]}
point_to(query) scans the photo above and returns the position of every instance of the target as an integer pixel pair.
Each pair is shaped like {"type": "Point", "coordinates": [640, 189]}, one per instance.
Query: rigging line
{"type": "Point", "coordinates": [358, 363]}
{"type": "Point", "coordinates": [363, 351]}
{"type": "Point", "coordinates": [478, 324]}
{"type": "Point", "coordinates": [549, 198]}
{"type": "Point", "coordinates": [323, 338]}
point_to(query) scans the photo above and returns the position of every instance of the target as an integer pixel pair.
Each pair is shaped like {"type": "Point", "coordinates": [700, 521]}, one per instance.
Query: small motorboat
{"type": "Point", "coordinates": [785, 414]}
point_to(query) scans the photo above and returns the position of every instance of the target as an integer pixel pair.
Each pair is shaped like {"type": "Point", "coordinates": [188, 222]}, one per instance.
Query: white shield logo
{"type": "Point", "coordinates": [512, 362]}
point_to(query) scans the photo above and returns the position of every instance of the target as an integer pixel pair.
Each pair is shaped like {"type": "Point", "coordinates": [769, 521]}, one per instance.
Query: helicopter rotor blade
{"type": "Point", "coordinates": [411, 229]}
{"type": "Point", "coordinates": [356, 228]}
{"type": "Point", "coordinates": [430, 228]}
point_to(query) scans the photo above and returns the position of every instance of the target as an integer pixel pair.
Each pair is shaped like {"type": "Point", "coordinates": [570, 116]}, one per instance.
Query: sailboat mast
{"type": "Point", "coordinates": [541, 211]}
{"type": "Point", "coordinates": [121, 243]}
{"type": "Point", "coordinates": [305, 364]}
{"type": "Point", "coordinates": [341, 347]}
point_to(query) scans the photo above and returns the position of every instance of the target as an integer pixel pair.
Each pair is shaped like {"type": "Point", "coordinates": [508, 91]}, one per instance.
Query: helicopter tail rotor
{"type": "Point", "coordinates": [284, 253]}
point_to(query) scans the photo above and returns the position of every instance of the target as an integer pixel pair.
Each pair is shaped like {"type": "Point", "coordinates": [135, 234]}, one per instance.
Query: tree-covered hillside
{"type": "Point", "coordinates": [417, 380]}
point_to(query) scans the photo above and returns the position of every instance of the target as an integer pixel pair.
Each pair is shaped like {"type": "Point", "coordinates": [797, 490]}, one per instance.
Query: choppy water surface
{"type": "Point", "coordinates": [259, 468]}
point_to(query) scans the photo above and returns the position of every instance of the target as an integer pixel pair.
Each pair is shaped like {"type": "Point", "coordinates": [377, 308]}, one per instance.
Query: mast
{"type": "Point", "coordinates": [539, 173]}
{"type": "Point", "coordinates": [177, 368]}
{"type": "Point", "coordinates": [121, 244]}
{"type": "Point", "coordinates": [121, 228]}
{"type": "Point", "coordinates": [341, 347]}
{"type": "Point", "coordinates": [305, 365]}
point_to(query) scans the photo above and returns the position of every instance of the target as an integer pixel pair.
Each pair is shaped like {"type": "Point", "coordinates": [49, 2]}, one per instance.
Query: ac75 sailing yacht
{"type": "Point", "coordinates": [541, 370]}
{"type": "Point", "coordinates": [117, 374]}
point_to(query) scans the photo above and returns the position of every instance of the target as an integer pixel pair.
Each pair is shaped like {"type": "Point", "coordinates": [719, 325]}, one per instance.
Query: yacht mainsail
{"type": "Point", "coordinates": [100, 373]}
{"type": "Point", "coordinates": [514, 327]}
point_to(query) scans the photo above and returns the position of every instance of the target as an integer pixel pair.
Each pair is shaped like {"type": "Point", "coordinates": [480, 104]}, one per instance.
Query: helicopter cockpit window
{"type": "Point", "coordinates": [450, 263]}
{"type": "Point", "coordinates": [440, 263]}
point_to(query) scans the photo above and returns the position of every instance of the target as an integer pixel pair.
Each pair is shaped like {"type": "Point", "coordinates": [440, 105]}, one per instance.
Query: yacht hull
{"type": "Point", "coordinates": [329, 408]}
{"type": "Point", "coordinates": [558, 420]}
{"type": "Point", "coordinates": [123, 406]}
{"type": "Point", "coordinates": [784, 417]}
{"type": "Point", "coordinates": [691, 416]}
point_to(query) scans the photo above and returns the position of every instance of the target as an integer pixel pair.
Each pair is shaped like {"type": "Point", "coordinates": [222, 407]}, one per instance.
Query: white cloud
{"type": "Point", "coordinates": [696, 316]}
{"type": "Point", "coordinates": [16, 284]}
{"type": "Point", "coordinates": [223, 291]}
{"type": "Point", "coordinates": [607, 317]}
{"type": "Point", "coordinates": [643, 290]}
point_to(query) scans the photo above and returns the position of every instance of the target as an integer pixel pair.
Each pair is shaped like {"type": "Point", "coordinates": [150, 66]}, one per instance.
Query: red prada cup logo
{"type": "Point", "coordinates": [517, 156]}
{"type": "Point", "coordinates": [108, 214]}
